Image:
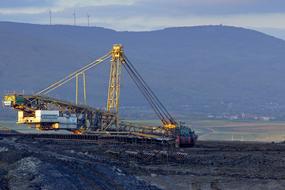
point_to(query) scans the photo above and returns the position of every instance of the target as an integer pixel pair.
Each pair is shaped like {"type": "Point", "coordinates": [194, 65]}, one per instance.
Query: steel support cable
{"type": "Point", "coordinates": [72, 75]}
{"type": "Point", "coordinates": [152, 104]}
{"type": "Point", "coordinates": [141, 88]}
{"type": "Point", "coordinates": [137, 83]}
{"type": "Point", "coordinates": [164, 110]}
{"type": "Point", "coordinates": [66, 79]}
{"type": "Point", "coordinates": [161, 106]}
{"type": "Point", "coordinates": [147, 95]}
{"type": "Point", "coordinates": [70, 78]}
{"type": "Point", "coordinates": [143, 91]}
{"type": "Point", "coordinates": [150, 91]}
{"type": "Point", "coordinates": [149, 98]}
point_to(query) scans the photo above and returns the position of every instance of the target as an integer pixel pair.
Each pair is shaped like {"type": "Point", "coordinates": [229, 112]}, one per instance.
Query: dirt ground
{"type": "Point", "coordinates": [45, 164]}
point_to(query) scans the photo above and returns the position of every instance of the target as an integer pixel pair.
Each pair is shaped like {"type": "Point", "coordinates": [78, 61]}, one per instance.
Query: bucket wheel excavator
{"type": "Point", "coordinates": [47, 113]}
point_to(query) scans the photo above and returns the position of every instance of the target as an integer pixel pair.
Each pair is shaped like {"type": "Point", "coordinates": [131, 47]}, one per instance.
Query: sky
{"type": "Point", "coordinates": [144, 15]}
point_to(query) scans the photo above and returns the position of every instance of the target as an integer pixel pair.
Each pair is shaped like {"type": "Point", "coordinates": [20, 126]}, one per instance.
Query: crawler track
{"type": "Point", "coordinates": [113, 137]}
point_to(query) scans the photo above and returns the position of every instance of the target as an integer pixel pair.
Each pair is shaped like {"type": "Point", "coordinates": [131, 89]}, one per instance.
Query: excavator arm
{"type": "Point", "coordinates": [167, 120]}
{"type": "Point", "coordinates": [184, 135]}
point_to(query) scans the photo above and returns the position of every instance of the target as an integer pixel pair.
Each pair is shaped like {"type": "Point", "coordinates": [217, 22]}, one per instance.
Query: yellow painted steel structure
{"type": "Point", "coordinates": [77, 88]}
{"type": "Point", "coordinates": [84, 88]}
{"type": "Point", "coordinates": [114, 81]}
{"type": "Point", "coordinates": [28, 105]}
{"type": "Point", "coordinates": [118, 59]}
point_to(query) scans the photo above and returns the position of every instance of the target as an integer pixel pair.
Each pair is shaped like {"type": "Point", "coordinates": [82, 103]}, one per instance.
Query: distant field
{"type": "Point", "coordinates": [240, 130]}
{"type": "Point", "coordinates": [211, 129]}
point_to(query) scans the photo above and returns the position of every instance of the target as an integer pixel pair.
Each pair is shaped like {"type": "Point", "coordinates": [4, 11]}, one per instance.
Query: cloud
{"type": "Point", "coordinates": [213, 7]}
{"type": "Point", "coordinates": [25, 3]}
{"type": "Point", "coordinates": [149, 23]}
{"type": "Point", "coordinates": [147, 14]}
{"type": "Point", "coordinates": [11, 7]}
{"type": "Point", "coordinates": [19, 11]}
{"type": "Point", "coordinates": [87, 3]}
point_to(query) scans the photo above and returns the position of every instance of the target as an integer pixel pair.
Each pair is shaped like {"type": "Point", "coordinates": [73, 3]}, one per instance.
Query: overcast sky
{"type": "Point", "coordinates": [137, 15]}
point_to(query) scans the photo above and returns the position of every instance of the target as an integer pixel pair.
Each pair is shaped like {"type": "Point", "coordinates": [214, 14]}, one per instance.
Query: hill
{"type": "Point", "coordinates": [194, 70]}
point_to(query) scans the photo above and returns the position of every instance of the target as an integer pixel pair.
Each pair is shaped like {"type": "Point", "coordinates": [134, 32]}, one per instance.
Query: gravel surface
{"type": "Point", "coordinates": [45, 164]}
{"type": "Point", "coordinates": [26, 164]}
